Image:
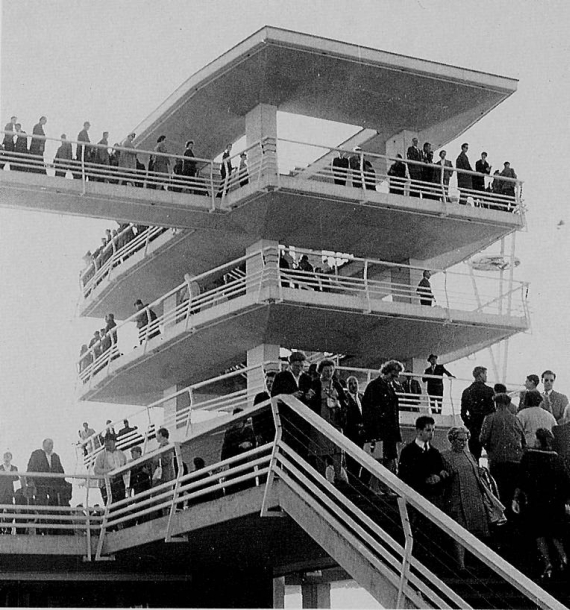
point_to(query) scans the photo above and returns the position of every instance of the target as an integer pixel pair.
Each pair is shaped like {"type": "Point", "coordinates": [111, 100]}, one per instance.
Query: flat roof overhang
{"type": "Point", "coordinates": [325, 79]}
{"type": "Point", "coordinates": [220, 336]}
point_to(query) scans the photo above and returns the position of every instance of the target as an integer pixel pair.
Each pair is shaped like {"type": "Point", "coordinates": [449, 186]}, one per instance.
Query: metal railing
{"type": "Point", "coordinates": [369, 172]}
{"type": "Point", "coordinates": [42, 506]}
{"type": "Point", "coordinates": [378, 526]}
{"type": "Point", "coordinates": [119, 249]}
{"type": "Point", "coordinates": [369, 293]}
{"type": "Point", "coordinates": [203, 397]}
{"type": "Point", "coordinates": [120, 165]}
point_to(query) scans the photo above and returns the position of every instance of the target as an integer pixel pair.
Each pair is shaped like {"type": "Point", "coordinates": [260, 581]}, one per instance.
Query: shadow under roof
{"type": "Point", "coordinates": [326, 79]}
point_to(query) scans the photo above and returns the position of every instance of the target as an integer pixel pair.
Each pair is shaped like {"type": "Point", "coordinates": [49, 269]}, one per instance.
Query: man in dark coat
{"type": "Point", "coordinates": [21, 150]}
{"type": "Point", "coordinates": [415, 154]}
{"type": "Point", "coordinates": [37, 146]}
{"type": "Point", "coordinates": [476, 403]}
{"type": "Point", "coordinates": [83, 152]}
{"type": "Point", "coordinates": [145, 317]}
{"type": "Point", "coordinates": [424, 290]}
{"type": "Point", "coordinates": [380, 411]}
{"type": "Point", "coordinates": [435, 385]}
{"type": "Point", "coordinates": [483, 168]}
{"type": "Point", "coordinates": [421, 466]}
{"type": "Point", "coordinates": [297, 383]}
{"type": "Point", "coordinates": [464, 181]}
{"type": "Point", "coordinates": [354, 429]}
{"type": "Point", "coordinates": [398, 173]}
{"type": "Point", "coordinates": [8, 141]}
{"type": "Point", "coordinates": [356, 165]}
{"type": "Point", "coordinates": [46, 491]}
{"type": "Point", "coordinates": [340, 168]}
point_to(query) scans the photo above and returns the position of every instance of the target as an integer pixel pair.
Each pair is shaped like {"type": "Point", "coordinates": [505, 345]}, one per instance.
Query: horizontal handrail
{"type": "Point", "coordinates": [373, 290]}
{"type": "Point", "coordinates": [429, 511]}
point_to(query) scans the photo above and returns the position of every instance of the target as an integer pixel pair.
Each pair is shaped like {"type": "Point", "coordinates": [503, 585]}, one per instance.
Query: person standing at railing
{"type": "Point", "coordinates": [242, 170]}
{"type": "Point", "coordinates": [476, 403]}
{"type": "Point", "coordinates": [101, 157]}
{"type": "Point", "coordinates": [381, 413]}
{"type": "Point", "coordinates": [106, 461]}
{"type": "Point", "coordinates": [9, 138]}
{"type": "Point", "coordinates": [161, 163]}
{"type": "Point", "coordinates": [435, 383]}
{"type": "Point", "coordinates": [340, 168]}
{"type": "Point", "coordinates": [7, 489]}
{"type": "Point", "coordinates": [226, 169]}
{"type": "Point", "coordinates": [145, 318]}
{"type": "Point", "coordinates": [82, 151]}
{"type": "Point", "coordinates": [63, 157]}
{"type": "Point", "coordinates": [85, 434]}
{"type": "Point", "coordinates": [399, 175]}
{"type": "Point", "coordinates": [464, 181]}
{"type": "Point", "coordinates": [20, 150]}
{"type": "Point", "coordinates": [443, 180]}
{"type": "Point", "coordinates": [415, 154]}
{"type": "Point", "coordinates": [189, 165]}
{"type": "Point", "coordinates": [483, 168]}
{"type": "Point", "coordinates": [37, 147]}
{"type": "Point", "coordinates": [356, 165]}
{"type": "Point", "coordinates": [424, 290]}
{"type": "Point", "coordinates": [46, 491]}
{"type": "Point", "coordinates": [128, 160]}
{"type": "Point", "coordinates": [427, 171]}
{"type": "Point", "coordinates": [509, 187]}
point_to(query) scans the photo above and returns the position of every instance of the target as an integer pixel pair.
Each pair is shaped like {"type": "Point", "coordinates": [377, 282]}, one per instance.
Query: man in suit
{"type": "Point", "coordinates": [8, 138]}
{"type": "Point", "coordinates": [47, 490]}
{"type": "Point", "coordinates": [296, 431]}
{"type": "Point", "coordinates": [354, 429]}
{"type": "Point", "coordinates": [421, 466]}
{"type": "Point", "coordinates": [415, 154]}
{"type": "Point", "coordinates": [464, 181]}
{"type": "Point", "coordinates": [37, 146]}
{"type": "Point", "coordinates": [435, 385]}
{"type": "Point", "coordinates": [424, 290]}
{"type": "Point", "coordinates": [483, 168]}
{"type": "Point", "coordinates": [340, 168]}
{"type": "Point", "coordinates": [83, 152]}
{"type": "Point", "coordinates": [554, 402]}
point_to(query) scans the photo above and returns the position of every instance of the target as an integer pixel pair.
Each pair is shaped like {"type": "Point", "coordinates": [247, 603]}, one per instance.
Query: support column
{"type": "Point", "coordinates": [171, 407]}
{"type": "Point", "coordinates": [261, 123]}
{"type": "Point", "coordinates": [279, 592]}
{"type": "Point", "coordinates": [257, 356]}
{"type": "Point", "coordinates": [316, 595]}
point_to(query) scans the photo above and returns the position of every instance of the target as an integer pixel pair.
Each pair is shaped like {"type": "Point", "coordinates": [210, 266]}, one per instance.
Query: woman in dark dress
{"type": "Point", "coordinates": [541, 496]}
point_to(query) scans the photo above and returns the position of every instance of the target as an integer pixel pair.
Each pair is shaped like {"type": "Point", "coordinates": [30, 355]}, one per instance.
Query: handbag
{"type": "Point", "coordinates": [157, 474]}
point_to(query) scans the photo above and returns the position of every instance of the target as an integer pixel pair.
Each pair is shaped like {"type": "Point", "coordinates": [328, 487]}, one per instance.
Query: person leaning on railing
{"type": "Point", "coordinates": [106, 461]}
{"type": "Point", "coordinates": [37, 146]}
{"type": "Point", "coordinates": [63, 157]}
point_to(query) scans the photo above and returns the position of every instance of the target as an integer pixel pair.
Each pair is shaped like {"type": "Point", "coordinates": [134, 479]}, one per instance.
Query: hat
{"type": "Point", "coordinates": [357, 148]}
{"type": "Point", "coordinates": [431, 356]}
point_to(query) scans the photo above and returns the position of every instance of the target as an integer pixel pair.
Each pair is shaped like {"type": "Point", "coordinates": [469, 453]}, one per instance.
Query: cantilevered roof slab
{"type": "Point", "coordinates": [325, 79]}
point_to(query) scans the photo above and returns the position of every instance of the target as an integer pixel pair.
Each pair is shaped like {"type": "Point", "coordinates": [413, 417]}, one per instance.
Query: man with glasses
{"type": "Point", "coordinates": [554, 402]}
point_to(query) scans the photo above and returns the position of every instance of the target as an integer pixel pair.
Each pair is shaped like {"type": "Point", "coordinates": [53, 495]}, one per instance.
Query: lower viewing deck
{"type": "Point", "coordinates": [253, 515]}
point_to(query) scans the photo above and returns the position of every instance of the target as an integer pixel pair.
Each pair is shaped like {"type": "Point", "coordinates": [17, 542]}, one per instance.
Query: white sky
{"type": "Point", "coordinates": [113, 62]}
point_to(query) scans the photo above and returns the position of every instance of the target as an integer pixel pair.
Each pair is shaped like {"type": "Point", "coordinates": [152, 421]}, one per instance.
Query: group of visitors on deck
{"type": "Point", "coordinates": [116, 164]}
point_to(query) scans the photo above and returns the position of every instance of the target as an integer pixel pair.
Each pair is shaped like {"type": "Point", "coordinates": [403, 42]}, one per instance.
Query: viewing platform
{"type": "Point", "coordinates": [381, 306]}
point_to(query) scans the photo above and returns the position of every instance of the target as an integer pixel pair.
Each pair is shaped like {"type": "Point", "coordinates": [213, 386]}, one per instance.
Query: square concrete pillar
{"type": "Point", "coordinates": [316, 595]}
{"type": "Point", "coordinates": [268, 263]}
{"type": "Point", "coordinates": [257, 356]}
{"type": "Point", "coordinates": [279, 592]}
{"type": "Point", "coordinates": [260, 124]}
{"type": "Point", "coordinates": [172, 406]}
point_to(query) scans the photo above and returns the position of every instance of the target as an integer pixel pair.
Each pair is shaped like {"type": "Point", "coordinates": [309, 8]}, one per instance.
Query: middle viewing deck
{"type": "Point", "coordinates": [184, 334]}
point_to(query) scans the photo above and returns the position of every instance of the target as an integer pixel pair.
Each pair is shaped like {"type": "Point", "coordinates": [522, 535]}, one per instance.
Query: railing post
{"type": "Point", "coordinates": [367, 287]}
{"type": "Point", "coordinates": [404, 573]}
{"type": "Point", "coordinates": [273, 459]}
{"type": "Point", "coordinates": [105, 519]}
{"type": "Point", "coordinates": [212, 188]}
{"type": "Point", "coordinates": [83, 177]}
{"type": "Point", "coordinates": [88, 519]}
{"type": "Point", "coordinates": [179, 475]}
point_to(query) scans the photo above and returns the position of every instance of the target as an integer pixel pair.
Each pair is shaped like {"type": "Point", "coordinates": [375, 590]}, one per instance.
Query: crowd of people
{"type": "Point", "coordinates": [116, 164]}
{"type": "Point", "coordinates": [112, 243]}
{"type": "Point", "coordinates": [524, 482]}
{"type": "Point", "coordinates": [419, 172]}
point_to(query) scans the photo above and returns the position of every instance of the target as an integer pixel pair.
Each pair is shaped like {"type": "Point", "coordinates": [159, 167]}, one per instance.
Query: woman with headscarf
{"type": "Point", "coordinates": [541, 496]}
{"type": "Point", "coordinates": [463, 496]}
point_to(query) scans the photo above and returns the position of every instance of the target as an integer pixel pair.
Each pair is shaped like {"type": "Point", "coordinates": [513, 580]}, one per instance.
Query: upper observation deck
{"type": "Point", "coordinates": [325, 79]}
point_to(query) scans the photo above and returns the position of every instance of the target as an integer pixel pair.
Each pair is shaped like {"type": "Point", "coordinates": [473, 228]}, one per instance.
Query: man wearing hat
{"type": "Point", "coordinates": [435, 385]}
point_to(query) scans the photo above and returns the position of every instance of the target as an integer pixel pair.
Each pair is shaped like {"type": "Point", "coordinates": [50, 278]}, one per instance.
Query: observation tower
{"type": "Point", "coordinates": [204, 251]}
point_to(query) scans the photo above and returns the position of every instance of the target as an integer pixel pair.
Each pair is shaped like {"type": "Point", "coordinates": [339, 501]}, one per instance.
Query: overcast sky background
{"type": "Point", "coordinates": [113, 62]}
